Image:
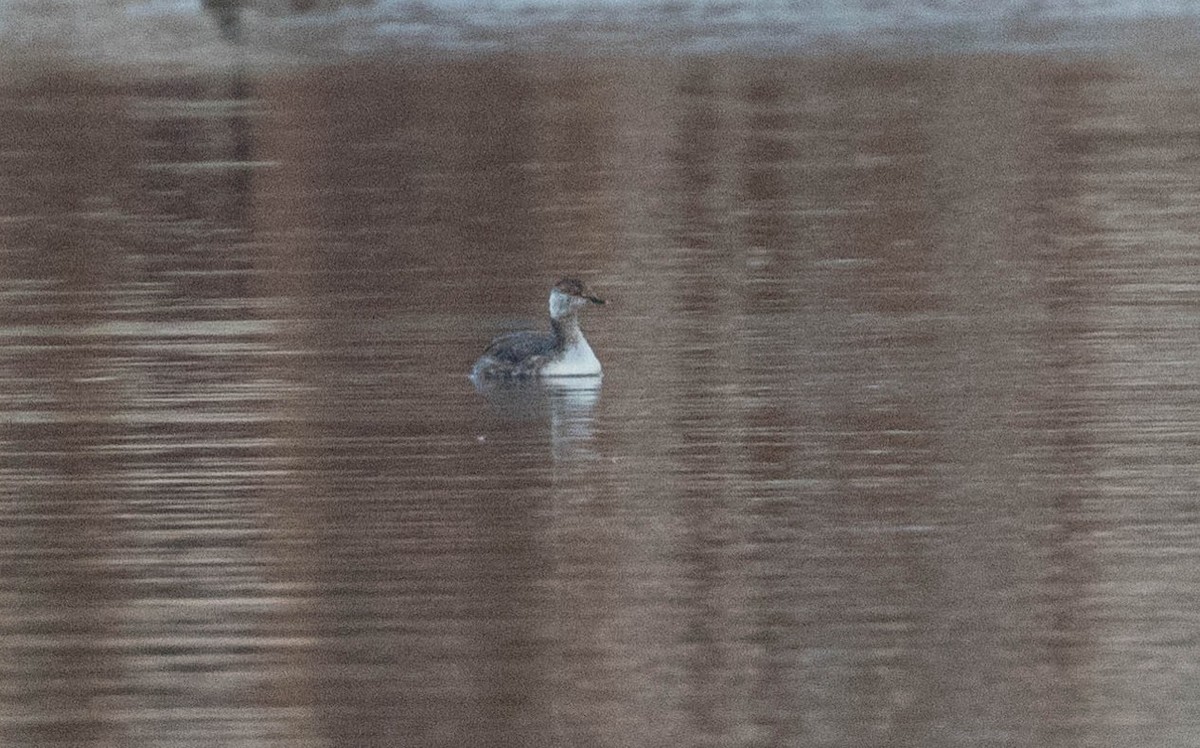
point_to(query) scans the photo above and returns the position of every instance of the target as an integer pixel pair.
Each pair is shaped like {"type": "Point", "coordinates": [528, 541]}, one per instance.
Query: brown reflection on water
{"type": "Point", "coordinates": [894, 444]}
{"type": "Point", "coordinates": [58, 506]}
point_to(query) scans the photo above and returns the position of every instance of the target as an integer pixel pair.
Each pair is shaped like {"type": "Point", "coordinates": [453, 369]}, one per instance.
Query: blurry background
{"type": "Point", "coordinates": [184, 31]}
{"type": "Point", "coordinates": [896, 443]}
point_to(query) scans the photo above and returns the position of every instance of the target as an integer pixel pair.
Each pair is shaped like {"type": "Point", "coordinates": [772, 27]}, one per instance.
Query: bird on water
{"type": "Point", "coordinates": [561, 352]}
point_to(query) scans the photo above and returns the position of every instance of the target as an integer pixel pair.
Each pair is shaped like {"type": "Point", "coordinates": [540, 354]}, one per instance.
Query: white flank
{"type": "Point", "coordinates": [576, 361]}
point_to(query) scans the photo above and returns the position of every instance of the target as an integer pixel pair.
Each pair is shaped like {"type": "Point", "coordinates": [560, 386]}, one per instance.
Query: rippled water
{"type": "Point", "coordinates": [896, 442]}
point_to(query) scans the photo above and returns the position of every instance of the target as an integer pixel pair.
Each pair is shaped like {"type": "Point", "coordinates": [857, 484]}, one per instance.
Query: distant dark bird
{"type": "Point", "coordinates": [228, 14]}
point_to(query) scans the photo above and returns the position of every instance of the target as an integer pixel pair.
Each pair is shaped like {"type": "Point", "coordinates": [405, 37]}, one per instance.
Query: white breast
{"type": "Point", "coordinates": [576, 361]}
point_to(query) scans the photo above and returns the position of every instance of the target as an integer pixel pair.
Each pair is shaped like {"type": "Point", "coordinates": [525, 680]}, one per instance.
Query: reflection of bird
{"type": "Point", "coordinates": [228, 15]}
{"type": "Point", "coordinates": [562, 352]}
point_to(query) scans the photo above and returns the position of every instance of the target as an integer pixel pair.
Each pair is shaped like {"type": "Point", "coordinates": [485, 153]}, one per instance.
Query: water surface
{"type": "Point", "coordinates": [895, 443]}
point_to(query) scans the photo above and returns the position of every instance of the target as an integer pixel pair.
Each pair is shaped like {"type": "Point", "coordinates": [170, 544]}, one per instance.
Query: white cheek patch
{"type": "Point", "coordinates": [560, 304]}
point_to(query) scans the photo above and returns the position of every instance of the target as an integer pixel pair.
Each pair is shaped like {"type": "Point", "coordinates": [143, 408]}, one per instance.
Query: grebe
{"type": "Point", "coordinates": [562, 352]}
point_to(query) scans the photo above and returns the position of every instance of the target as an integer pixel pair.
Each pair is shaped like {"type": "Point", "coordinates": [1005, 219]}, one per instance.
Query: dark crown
{"type": "Point", "coordinates": [571, 286]}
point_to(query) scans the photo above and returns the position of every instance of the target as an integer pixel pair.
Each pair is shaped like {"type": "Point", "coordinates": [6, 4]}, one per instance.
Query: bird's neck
{"type": "Point", "coordinates": [566, 330]}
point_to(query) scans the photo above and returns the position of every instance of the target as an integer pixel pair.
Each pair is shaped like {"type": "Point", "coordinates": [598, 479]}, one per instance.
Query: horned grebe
{"type": "Point", "coordinates": [562, 352]}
